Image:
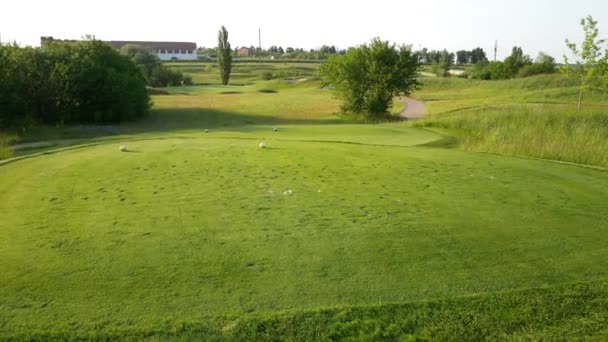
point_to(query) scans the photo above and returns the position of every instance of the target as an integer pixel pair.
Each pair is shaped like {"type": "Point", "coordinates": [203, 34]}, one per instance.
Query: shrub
{"type": "Point", "coordinates": [536, 69]}
{"type": "Point", "coordinates": [267, 75]}
{"type": "Point", "coordinates": [165, 77]}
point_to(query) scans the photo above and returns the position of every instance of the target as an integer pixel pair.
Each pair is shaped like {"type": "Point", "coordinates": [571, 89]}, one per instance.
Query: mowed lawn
{"type": "Point", "coordinates": [336, 230]}
{"type": "Point", "coordinates": [93, 239]}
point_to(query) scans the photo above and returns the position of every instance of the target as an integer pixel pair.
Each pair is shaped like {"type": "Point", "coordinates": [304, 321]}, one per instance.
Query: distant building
{"type": "Point", "coordinates": [244, 52]}
{"type": "Point", "coordinates": [166, 51]}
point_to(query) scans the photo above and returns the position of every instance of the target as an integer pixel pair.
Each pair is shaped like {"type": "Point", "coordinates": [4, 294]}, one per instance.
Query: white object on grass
{"type": "Point", "coordinates": [122, 148]}
{"type": "Point", "coordinates": [206, 131]}
{"type": "Point", "coordinates": [287, 192]}
{"type": "Point", "coordinates": [262, 145]}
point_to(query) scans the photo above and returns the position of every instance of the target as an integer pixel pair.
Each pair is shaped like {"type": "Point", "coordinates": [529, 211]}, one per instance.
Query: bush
{"type": "Point", "coordinates": [440, 70]}
{"type": "Point", "coordinates": [85, 82]}
{"type": "Point", "coordinates": [536, 69]}
{"type": "Point", "coordinates": [267, 76]}
{"type": "Point", "coordinates": [490, 71]}
{"type": "Point", "coordinates": [165, 77]}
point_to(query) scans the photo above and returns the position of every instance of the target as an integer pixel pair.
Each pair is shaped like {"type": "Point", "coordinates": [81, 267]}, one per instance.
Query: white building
{"type": "Point", "coordinates": [166, 51]}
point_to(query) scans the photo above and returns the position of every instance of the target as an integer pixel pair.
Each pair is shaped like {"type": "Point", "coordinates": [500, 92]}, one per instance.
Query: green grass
{"type": "Point", "coordinates": [564, 312]}
{"type": "Point", "coordinates": [183, 229]}
{"type": "Point", "coordinates": [245, 73]}
{"type": "Point", "coordinates": [530, 131]}
{"type": "Point", "coordinates": [532, 117]}
{"type": "Point", "coordinates": [337, 230]}
{"type": "Point", "coordinates": [192, 109]}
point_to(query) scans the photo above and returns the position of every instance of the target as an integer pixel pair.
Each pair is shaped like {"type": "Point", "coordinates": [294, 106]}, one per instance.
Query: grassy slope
{"type": "Point", "coordinates": [226, 108]}
{"type": "Point", "coordinates": [245, 73]}
{"type": "Point", "coordinates": [532, 117]}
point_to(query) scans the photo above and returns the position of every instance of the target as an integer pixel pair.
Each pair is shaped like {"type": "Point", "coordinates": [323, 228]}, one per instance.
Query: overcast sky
{"type": "Point", "coordinates": [536, 25]}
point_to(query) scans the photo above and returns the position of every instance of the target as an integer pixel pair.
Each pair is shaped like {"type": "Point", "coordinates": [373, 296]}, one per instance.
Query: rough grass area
{"type": "Point", "coordinates": [531, 131]}
{"type": "Point", "coordinates": [553, 313]}
{"type": "Point", "coordinates": [532, 117]}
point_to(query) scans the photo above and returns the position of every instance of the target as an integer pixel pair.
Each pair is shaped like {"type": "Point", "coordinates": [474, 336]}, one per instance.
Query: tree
{"type": "Point", "coordinates": [85, 82]}
{"type": "Point", "coordinates": [478, 56]}
{"type": "Point", "coordinates": [462, 57]}
{"type": "Point", "coordinates": [142, 57]}
{"type": "Point", "coordinates": [592, 65]}
{"type": "Point", "coordinates": [543, 64]}
{"type": "Point", "coordinates": [516, 61]}
{"type": "Point", "coordinates": [367, 78]}
{"type": "Point", "coordinates": [224, 55]}
{"type": "Point", "coordinates": [156, 74]}
{"type": "Point", "coordinates": [544, 58]}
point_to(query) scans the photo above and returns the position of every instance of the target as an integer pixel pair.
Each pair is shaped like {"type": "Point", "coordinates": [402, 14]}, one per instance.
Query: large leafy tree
{"type": "Point", "coordinates": [224, 55]}
{"type": "Point", "coordinates": [463, 57]}
{"type": "Point", "coordinates": [478, 56]}
{"type": "Point", "coordinates": [86, 82]}
{"type": "Point", "coordinates": [368, 77]}
{"type": "Point", "coordinates": [516, 61]}
{"type": "Point", "coordinates": [145, 59]}
{"type": "Point", "coordinates": [591, 69]}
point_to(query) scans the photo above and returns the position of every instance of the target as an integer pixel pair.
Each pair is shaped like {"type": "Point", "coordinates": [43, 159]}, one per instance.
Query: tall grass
{"type": "Point", "coordinates": [532, 130]}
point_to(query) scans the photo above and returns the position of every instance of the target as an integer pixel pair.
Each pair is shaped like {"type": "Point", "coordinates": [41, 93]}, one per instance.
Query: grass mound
{"type": "Point", "coordinates": [530, 131]}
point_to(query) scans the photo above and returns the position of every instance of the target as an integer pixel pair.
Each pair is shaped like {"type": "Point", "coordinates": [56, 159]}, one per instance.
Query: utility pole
{"type": "Point", "coordinates": [259, 44]}
{"type": "Point", "coordinates": [495, 49]}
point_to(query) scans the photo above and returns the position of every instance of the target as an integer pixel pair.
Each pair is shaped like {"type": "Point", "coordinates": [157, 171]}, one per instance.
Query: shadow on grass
{"type": "Point", "coordinates": [163, 121]}
{"type": "Point", "coordinates": [175, 119]}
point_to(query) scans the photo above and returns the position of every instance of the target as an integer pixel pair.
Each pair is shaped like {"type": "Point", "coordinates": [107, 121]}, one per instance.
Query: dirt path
{"type": "Point", "coordinates": [413, 109]}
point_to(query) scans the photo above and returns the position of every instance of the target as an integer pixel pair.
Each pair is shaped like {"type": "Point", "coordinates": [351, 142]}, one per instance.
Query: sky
{"type": "Point", "coordinates": [535, 25]}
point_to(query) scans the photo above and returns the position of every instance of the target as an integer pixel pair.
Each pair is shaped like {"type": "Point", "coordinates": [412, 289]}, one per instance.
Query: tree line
{"type": "Point", "coordinates": [277, 52]}
{"type": "Point", "coordinates": [84, 82]}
